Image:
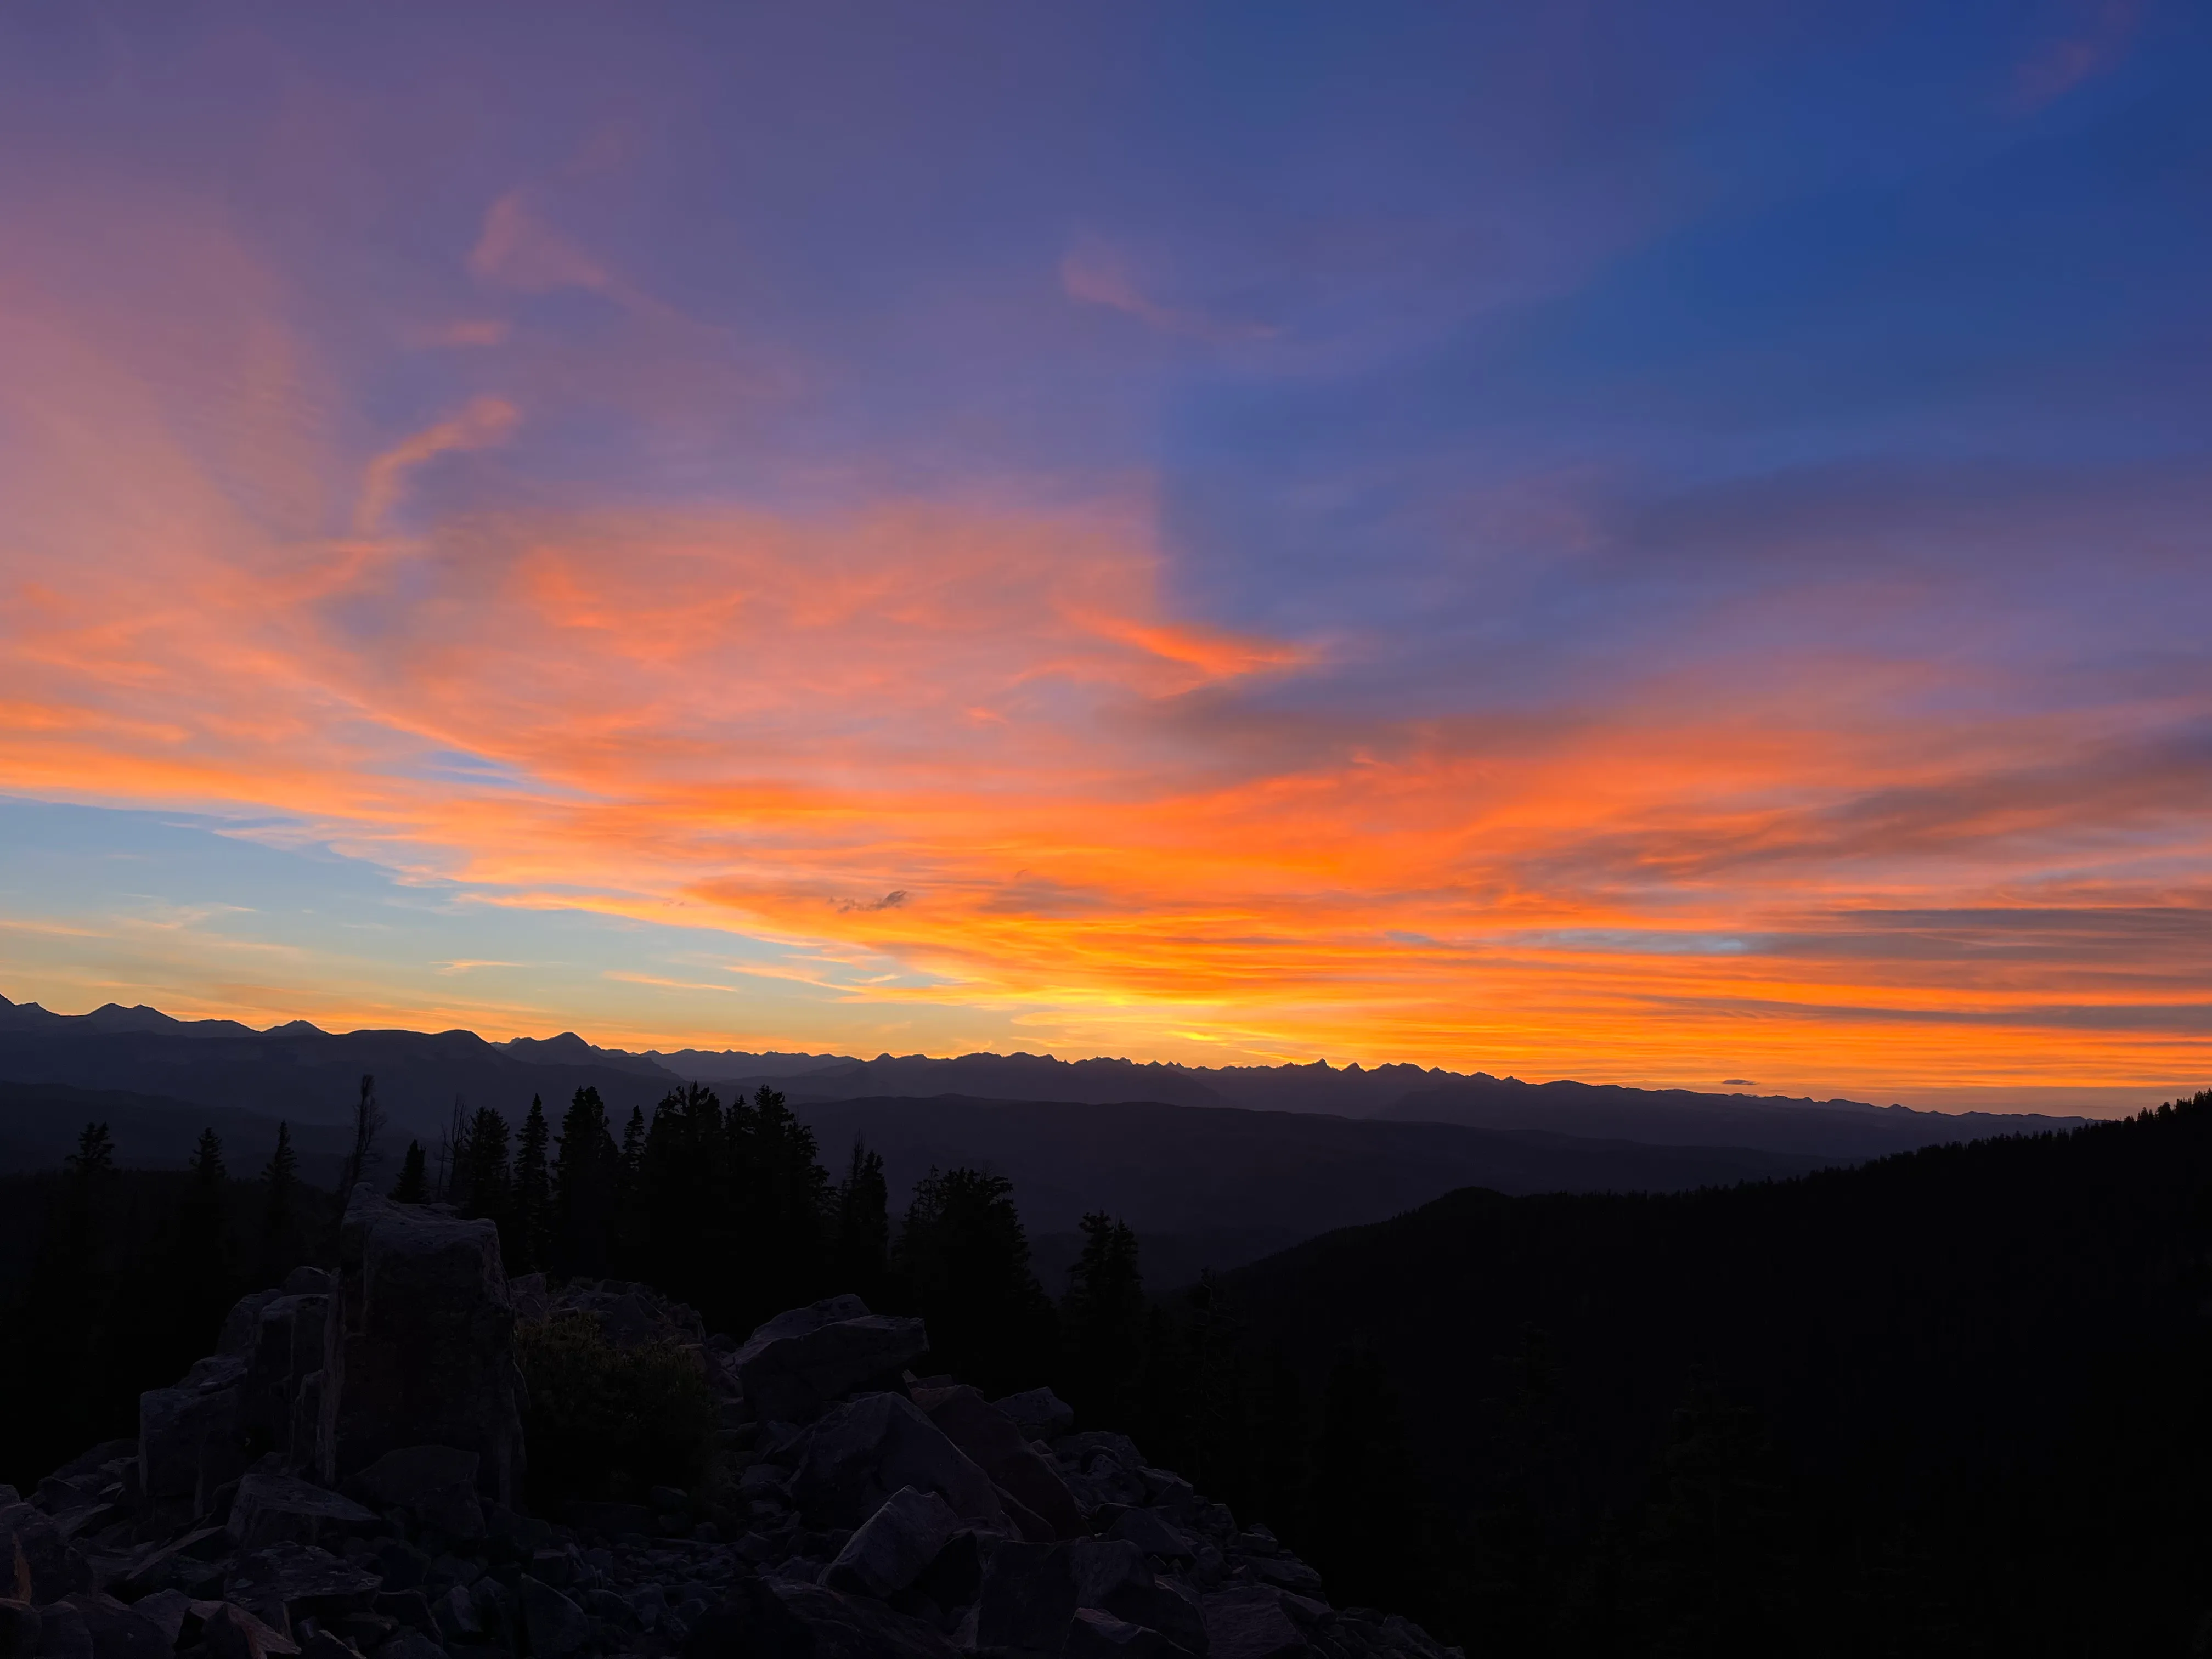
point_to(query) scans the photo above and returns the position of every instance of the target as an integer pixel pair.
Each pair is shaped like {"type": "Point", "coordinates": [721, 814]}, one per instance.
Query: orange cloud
{"type": "Point", "coordinates": [1115, 825]}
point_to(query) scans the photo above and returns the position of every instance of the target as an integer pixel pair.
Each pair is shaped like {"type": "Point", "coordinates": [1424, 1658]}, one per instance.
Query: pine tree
{"type": "Point", "coordinates": [69, 1299]}
{"type": "Point", "coordinates": [413, 1186]}
{"type": "Point", "coordinates": [861, 1252]}
{"type": "Point", "coordinates": [525, 1243]}
{"type": "Point", "coordinates": [964, 1252]}
{"type": "Point", "coordinates": [1102, 1323]}
{"type": "Point", "coordinates": [583, 1187]}
{"type": "Point", "coordinates": [280, 1214]}
{"type": "Point", "coordinates": [483, 1187]}
{"type": "Point", "coordinates": [630, 1226]}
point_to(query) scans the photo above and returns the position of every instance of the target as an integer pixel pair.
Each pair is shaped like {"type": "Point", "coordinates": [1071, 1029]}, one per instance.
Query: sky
{"type": "Point", "coordinates": [1653, 544]}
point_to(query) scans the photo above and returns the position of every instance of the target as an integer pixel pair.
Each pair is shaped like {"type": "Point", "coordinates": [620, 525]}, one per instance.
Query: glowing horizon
{"type": "Point", "coordinates": [716, 537]}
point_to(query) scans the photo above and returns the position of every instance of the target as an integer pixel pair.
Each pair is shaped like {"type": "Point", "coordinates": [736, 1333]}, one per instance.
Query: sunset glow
{"type": "Point", "coordinates": [920, 547]}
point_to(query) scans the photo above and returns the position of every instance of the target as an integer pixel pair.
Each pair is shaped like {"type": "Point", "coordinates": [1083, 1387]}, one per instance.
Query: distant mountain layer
{"type": "Point", "coordinates": [298, 1071]}
{"type": "Point", "coordinates": [1218, 1186]}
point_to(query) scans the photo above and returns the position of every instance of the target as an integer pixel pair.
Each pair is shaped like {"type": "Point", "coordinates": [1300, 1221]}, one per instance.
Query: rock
{"type": "Point", "coordinates": [859, 1453]}
{"type": "Point", "coordinates": [1028, 1599]}
{"type": "Point", "coordinates": [409, 1644]}
{"type": "Point", "coordinates": [190, 1441]}
{"type": "Point", "coordinates": [18, 1630]}
{"type": "Point", "coordinates": [751, 1622]}
{"type": "Point", "coordinates": [1039, 1413]}
{"type": "Point", "coordinates": [167, 1609]}
{"type": "Point", "coordinates": [1096, 1635]}
{"type": "Point", "coordinates": [793, 1367]}
{"type": "Point", "coordinates": [232, 1632]}
{"type": "Point", "coordinates": [324, 1645]}
{"type": "Point", "coordinates": [894, 1546]}
{"type": "Point", "coordinates": [1250, 1622]}
{"type": "Point", "coordinates": [436, 1484]}
{"type": "Point", "coordinates": [1113, 1577]}
{"type": "Point", "coordinates": [39, 1565]}
{"type": "Point", "coordinates": [118, 1632]}
{"type": "Point", "coordinates": [62, 1632]}
{"type": "Point", "coordinates": [273, 1509]}
{"type": "Point", "coordinates": [855, 1627]}
{"type": "Point", "coordinates": [455, 1613]}
{"type": "Point", "coordinates": [997, 1445]}
{"type": "Point", "coordinates": [1151, 1533]}
{"type": "Point", "coordinates": [409, 1608]}
{"type": "Point", "coordinates": [183, 1565]}
{"type": "Point", "coordinates": [607, 1520]}
{"type": "Point", "coordinates": [286, 1580]}
{"type": "Point", "coordinates": [555, 1624]}
{"type": "Point", "coordinates": [289, 1344]}
{"type": "Point", "coordinates": [668, 1500]}
{"type": "Point", "coordinates": [426, 1349]}
{"type": "Point", "coordinates": [1026, 1524]}
{"type": "Point", "coordinates": [1290, 1573]}
{"type": "Point", "coordinates": [241, 1326]}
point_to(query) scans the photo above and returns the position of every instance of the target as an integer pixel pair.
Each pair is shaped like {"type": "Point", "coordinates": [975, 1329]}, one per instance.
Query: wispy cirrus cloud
{"type": "Point", "coordinates": [1098, 273]}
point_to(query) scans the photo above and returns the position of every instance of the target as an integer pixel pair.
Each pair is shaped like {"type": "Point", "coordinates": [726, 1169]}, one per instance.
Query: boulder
{"type": "Point", "coordinates": [1096, 1635]}
{"type": "Point", "coordinates": [192, 1441]}
{"type": "Point", "coordinates": [19, 1629]}
{"type": "Point", "coordinates": [39, 1565]}
{"type": "Point", "coordinates": [996, 1445]}
{"type": "Point", "coordinates": [289, 1345]}
{"type": "Point", "coordinates": [1249, 1621]}
{"type": "Point", "coordinates": [853, 1627]}
{"type": "Point", "coordinates": [425, 1353]}
{"type": "Point", "coordinates": [286, 1580]}
{"type": "Point", "coordinates": [795, 1366]}
{"type": "Point", "coordinates": [1150, 1533]}
{"type": "Point", "coordinates": [1039, 1413]}
{"type": "Point", "coordinates": [232, 1632]}
{"type": "Point", "coordinates": [859, 1453]}
{"type": "Point", "coordinates": [409, 1644]}
{"type": "Point", "coordinates": [555, 1624]}
{"type": "Point", "coordinates": [437, 1485]}
{"type": "Point", "coordinates": [275, 1508]}
{"type": "Point", "coordinates": [1028, 1600]}
{"type": "Point", "coordinates": [1113, 1577]}
{"type": "Point", "coordinates": [185, 1565]}
{"type": "Point", "coordinates": [118, 1632]}
{"type": "Point", "coordinates": [241, 1326]}
{"type": "Point", "coordinates": [894, 1546]}
{"type": "Point", "coordinates": [62, 1632]}
{"type": "Point", "coordinates": [168, 1609]}
{"type": "Point", "coordinates": [751, 1622]}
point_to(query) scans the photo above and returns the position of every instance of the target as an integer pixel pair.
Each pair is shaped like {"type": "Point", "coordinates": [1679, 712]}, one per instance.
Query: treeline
{"type": "Point", "coordinates": [118, 1280]}
{"type": "Point", "coordinates": [728, 1207]}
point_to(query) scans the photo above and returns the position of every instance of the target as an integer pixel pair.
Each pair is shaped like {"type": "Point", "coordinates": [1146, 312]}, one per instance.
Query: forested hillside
{"type": "Point", "coordinates": [1954, 1401]}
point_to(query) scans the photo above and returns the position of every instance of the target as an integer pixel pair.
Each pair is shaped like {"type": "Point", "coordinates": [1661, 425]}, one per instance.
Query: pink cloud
{"type": "Point", "coordinates": [2064, 63]}
{"type": "Point", "coordinates": [1094, 273]}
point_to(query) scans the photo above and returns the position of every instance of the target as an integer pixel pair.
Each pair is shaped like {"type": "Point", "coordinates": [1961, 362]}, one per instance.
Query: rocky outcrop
{"type": "Point", "coordinates": [340, 1482]}
{"type": "Point", "coordinates": [800, 1361]}
{"type": "Point", "coordinates": [424, 1352]}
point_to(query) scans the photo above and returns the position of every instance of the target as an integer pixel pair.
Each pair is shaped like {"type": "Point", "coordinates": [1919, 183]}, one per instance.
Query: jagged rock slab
{"type": "Point", "coordinates": [859, 1453]}
{"type": "Point", "coordinates": [275, 1508]}
{"type": "Point", "coordinates": [998, 1447]}
{"type": "Point", "coordinates": [795, 1364]}
{"type": "Point", "coordinates": [894, 1546]}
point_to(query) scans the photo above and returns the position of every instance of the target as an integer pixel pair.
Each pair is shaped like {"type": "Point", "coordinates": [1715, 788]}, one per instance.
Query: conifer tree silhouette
{"type": "Point", "coordinates": [413, 1186]}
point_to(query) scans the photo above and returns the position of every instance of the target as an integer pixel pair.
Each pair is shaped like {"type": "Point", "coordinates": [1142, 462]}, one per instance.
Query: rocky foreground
{"type": "Point", "coordinates": [343, 1478]}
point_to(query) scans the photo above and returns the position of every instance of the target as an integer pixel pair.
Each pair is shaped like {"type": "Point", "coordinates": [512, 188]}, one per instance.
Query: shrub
{"type": "Point", "coordinates": [607, 1423]}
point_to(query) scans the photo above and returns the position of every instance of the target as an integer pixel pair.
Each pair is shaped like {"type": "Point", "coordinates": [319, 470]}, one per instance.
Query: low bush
{"type": "Point", "coordinates": [609, 1423]}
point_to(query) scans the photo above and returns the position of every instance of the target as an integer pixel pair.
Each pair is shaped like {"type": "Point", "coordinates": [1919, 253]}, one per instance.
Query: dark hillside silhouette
{"type": "Point", "coordinates": [1955, 1400]}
